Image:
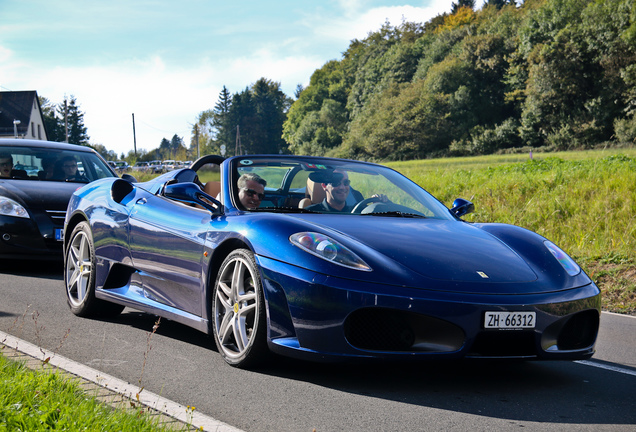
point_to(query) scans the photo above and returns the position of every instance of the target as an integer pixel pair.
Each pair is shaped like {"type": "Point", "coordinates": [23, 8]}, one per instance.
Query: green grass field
{"type": "Point", "coordinates": [583, 201]}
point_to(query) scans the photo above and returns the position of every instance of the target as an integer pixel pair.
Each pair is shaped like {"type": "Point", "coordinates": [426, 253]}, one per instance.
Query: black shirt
{"type": "Point", "coordinates": [324, 206]}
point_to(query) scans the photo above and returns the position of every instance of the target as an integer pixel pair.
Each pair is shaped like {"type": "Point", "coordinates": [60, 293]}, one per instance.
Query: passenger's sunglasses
{"type": "Point", "coordinates": [252, 192]}
{"type": "Point", "coordinates": [345, 182]}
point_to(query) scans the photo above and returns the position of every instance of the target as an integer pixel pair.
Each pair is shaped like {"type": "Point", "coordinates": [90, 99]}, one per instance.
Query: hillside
{"type": "Point", "coordinates": [546, 74]}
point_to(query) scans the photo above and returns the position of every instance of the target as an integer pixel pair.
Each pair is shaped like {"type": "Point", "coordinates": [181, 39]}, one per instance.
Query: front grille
{"type": "Point", "coordinates": [379, 329]}
{"type": "Point", "coordinates": [57, 216]}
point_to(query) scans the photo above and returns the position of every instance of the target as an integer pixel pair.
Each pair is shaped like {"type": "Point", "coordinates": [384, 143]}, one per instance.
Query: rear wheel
{"type": "Point", "coordinates": [238, 309]}
{"type": "Point", "coordinates": [79, 276]}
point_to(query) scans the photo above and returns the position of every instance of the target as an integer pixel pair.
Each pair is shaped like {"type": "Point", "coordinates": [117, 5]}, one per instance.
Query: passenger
{"type": "Point", "coordinates": [48, 169]}
{"type": "Point", "coordinates": [251, 190]}
{"type": "Point", "coordinates": [6, 165]}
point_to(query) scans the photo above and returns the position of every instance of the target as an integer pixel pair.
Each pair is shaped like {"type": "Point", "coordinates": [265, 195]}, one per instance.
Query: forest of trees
{"type": "Point", "coordinates": [542, 74]}
{"type": "Point", "coordinates": [247, 122]}
{"type": "Point", "coordinates": [554, 74]}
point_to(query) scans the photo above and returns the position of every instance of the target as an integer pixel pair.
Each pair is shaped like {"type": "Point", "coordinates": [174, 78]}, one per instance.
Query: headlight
{"type": "Point", "coordinates": [328, 249]}
{"type": "Point", "coordinates": [568, 263]}
{"type": "Point", "coordinates": [8, 207]}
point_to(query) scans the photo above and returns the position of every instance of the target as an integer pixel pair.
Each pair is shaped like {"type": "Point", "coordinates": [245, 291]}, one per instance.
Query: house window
{"type": "Point", "coordinates": [39, 133]}
{"type": "Point", "coordinates": [33, 129]}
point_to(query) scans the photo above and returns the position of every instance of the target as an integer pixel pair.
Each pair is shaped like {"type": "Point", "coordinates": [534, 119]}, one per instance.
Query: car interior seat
{"type": "Point", "coordinates": [213, 188]}
{"type": "Point", "coordinates": [313, 194]}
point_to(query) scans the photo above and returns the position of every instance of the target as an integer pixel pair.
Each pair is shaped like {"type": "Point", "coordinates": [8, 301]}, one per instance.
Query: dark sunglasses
{"type": "Point", "coordinates": [252, 192]}
{"type": "Point", "coordinates": [345, 182]}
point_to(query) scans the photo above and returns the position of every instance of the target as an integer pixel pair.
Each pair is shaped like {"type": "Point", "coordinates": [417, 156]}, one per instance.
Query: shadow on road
{"type": "Point", "coordinates": [41, 269]}
{"type": "Point", "coordinates": [554, 392]}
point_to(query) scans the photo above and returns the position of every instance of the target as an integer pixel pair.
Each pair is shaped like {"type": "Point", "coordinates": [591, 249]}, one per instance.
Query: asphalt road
{"type": "Point", "coordinates": [182, 365]}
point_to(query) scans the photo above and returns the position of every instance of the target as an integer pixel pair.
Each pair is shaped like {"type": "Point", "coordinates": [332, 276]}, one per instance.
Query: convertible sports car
{"type": "Point", "coordinates": [37, 179]}
{"type": "Point", "coordinates": [394, 275]}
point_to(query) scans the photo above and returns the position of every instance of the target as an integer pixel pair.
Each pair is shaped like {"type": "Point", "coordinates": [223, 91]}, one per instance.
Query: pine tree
{"type": "Point", "coordinates": [220, 119]}
{"type": "Point", "coordinates": [72, 119]}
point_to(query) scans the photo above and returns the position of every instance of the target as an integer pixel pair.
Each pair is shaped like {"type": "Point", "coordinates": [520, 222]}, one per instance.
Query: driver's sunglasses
{"type": "Point", "coordinates": [252, 192]}
{"type": "Point", "coordinates": [345, 182]}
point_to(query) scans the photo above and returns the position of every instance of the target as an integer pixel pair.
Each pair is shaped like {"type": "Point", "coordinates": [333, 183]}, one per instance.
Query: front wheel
{"type": "Point", "coordinates": [79, 276]}
{"type": "Point", "coordinates": [238, 310]}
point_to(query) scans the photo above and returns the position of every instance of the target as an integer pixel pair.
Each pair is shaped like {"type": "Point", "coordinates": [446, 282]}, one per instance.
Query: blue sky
{"type": "Point", "coordinates": [167, 61]}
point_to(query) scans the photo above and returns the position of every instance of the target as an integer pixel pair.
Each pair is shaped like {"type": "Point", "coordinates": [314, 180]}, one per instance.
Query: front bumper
{"type": "Point", "coordinates": [22, 238]}
{"type": "Point", "coordinates": [320, 317]}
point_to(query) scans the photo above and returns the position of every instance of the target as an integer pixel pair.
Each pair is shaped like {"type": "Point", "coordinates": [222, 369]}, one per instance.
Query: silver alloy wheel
{"type": "Point", "coordinates": [236, 309]}
{"type": "Point", "coordinates": [78, 268]}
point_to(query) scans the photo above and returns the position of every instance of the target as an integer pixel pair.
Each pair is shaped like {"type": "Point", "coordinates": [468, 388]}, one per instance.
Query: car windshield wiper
{"type": "Point", "coordinates": [395, 214]}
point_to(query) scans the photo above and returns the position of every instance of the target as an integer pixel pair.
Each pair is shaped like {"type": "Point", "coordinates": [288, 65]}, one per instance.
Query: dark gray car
{"type": "Point", "coordinates": [33, 202]}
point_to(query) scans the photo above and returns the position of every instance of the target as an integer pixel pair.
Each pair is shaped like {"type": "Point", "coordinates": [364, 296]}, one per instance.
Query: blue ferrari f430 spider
{"type": "Point", "coordinates": [324, 259]}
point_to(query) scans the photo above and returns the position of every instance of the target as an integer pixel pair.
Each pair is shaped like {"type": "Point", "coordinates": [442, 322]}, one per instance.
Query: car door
{"type": "Point", "coordinates": [166, 243]}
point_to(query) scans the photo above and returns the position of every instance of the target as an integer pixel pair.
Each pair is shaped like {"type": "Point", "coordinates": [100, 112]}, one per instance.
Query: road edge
{"type": "Point", "coordinates": [186, 415]}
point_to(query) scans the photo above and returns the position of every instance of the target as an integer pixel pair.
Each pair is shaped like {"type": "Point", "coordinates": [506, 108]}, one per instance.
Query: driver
{"type": "Point", "coordinates": [69, 167]}
{"type": "Point", "coordinates": [336, 185]}
{"type": "Point", "coordinates": [336, 190]}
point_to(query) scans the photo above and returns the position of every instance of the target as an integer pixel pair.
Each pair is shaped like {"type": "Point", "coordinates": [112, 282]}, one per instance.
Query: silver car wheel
{"type": "Point", "coordinates": [78, 268]}
{"type": "Point", "coordinates": [237, 309]}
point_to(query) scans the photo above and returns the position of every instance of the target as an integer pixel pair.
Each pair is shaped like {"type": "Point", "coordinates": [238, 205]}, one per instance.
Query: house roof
{"type": "Point", "coordinates": [16, 105]}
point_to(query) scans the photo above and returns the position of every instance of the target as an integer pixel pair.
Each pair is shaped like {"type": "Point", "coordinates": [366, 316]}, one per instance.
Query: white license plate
{"type": "Point", "coordinates": [59, 234]}
{"type": "Point", "coordinates": [510, 320]}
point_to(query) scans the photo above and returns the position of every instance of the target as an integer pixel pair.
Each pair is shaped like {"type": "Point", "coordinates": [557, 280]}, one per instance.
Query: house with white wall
{"type": "Point", "coordinates": [21, 115]}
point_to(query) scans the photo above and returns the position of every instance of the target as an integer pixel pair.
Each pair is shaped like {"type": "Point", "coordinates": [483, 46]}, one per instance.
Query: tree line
{"type": "Point", "coordinates": [554, 74]}
{"type": "Point", "coordinates": [542, 74]}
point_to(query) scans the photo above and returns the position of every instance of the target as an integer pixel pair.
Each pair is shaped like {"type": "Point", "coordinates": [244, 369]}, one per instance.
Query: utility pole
{"type": "Point", "coordinates": [134, 135]}
{"type": "Point", "coordinates": [196, 137]}
{"type": "Point", "coordinates": [238, 149]}
{"type": "Point", "coordinates": [65, 119]}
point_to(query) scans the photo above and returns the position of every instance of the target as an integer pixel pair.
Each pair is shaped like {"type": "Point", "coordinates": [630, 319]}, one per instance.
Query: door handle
{"type": "Point", "coordinates": [141, 201]}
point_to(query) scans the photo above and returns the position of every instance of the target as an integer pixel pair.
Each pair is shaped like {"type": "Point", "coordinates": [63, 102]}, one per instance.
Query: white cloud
{"type": "Point", "coordinates": [358, 26]}
{"type": "Point", "coordinates": [166, 99]}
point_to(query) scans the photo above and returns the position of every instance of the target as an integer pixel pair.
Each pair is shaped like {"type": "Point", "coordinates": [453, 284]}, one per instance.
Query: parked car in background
{"type": "Point", "coordinates": [169, 164]}
{"type": "Point", "coordinates": [324, 259]}
{"type": "Point", "coordinates": [33, 199]}
{"type": "Point", "coordinates": [141, 167]}
{"type": "Point", "coordinates": [156, 167]}
{"type": "Point", "coordinates": [122, 166]}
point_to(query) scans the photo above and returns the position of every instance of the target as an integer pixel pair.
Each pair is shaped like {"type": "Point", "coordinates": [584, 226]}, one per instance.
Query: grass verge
{"type": "Point", "coordinates": [46, 399]}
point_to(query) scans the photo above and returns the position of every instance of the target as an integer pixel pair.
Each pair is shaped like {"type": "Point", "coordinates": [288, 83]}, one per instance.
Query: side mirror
{"type": "Point", "coordinates": [462, 207]}
{"type": "Point", "coordinates": [129, 178]}
{"type": "Point", "coordinates": [191, 193]}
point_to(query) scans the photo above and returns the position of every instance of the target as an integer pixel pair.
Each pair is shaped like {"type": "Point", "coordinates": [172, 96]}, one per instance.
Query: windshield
{"type": "Point", "coordinates": [312, 185]}
{"type": "Point", "coordinates": [44, 164]}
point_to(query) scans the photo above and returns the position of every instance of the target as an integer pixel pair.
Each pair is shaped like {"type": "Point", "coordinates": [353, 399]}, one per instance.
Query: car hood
{"type": "Point", "coordinates": [39, 194]}
{"type": "Point", "coordinates": [438, 249]}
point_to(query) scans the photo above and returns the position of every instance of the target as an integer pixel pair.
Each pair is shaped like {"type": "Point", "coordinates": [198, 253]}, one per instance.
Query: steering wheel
{"type": "Point", "coordinates": [364, 203]}
{"type": "Point", "coordinates": [204, 160]}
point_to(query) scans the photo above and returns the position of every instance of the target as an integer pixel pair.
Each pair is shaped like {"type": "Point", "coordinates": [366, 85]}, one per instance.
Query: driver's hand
{"type": "Point", "coordinates": [383, 198]}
